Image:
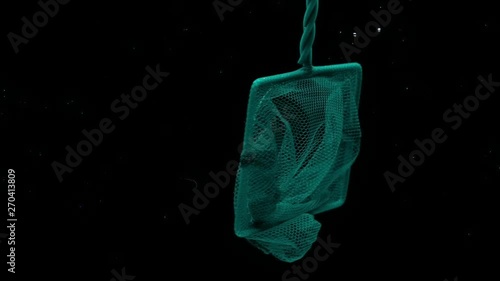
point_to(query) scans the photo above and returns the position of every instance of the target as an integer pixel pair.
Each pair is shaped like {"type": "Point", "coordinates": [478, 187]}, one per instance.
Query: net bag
{"type": "Point", "coordinates": [302, 135]}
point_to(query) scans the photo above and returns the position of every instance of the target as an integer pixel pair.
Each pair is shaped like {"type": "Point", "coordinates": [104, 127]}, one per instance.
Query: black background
{"type": "Point", "coordinates": [119, 207]}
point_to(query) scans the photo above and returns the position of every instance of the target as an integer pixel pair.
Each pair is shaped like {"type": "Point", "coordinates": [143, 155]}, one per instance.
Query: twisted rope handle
{"type": "Point", "coordinates": [309, 33]}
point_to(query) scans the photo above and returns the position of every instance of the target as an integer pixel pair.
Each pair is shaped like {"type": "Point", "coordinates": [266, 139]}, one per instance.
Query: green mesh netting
{"type": "Point", "coordinates": [301, 137]}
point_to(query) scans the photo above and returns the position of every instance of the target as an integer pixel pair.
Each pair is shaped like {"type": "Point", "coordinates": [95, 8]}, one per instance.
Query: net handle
{"type": "Point", "coordinates": [309, 33]}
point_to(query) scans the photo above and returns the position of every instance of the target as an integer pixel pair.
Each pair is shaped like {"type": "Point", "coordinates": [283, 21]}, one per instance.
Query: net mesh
{"type": "Point", "coordinates": [302, 135]}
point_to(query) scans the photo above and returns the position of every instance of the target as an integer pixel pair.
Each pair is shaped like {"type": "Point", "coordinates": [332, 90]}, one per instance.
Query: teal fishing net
{"type": "Point", "coordinates": [302, 135]}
